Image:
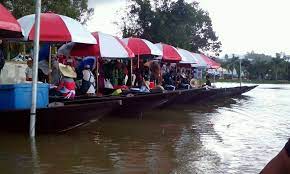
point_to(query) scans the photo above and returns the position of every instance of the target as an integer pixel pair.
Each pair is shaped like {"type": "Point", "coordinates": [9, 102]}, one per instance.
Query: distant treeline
{"type": "Point", "coordinates": [259, 66]}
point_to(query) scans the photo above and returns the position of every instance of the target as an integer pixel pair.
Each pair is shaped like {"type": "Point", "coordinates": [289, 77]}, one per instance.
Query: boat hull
{"type": "Point", "coordinates": [79, 112]}
{"type": "Point", "coordinates": [199, 95]}
{"type": "Point", "coordinates": [56, 119]}
{"type": "Point", "coordinates": [131, 105]}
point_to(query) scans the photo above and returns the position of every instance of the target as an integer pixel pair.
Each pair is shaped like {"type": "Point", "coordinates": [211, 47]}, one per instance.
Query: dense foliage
{"type": "Point", "coordinates": [260, 66]}
{"type": "Point", "coordinates": [76, 9]}
{"type": "Point", "coordinates": [178, 23]}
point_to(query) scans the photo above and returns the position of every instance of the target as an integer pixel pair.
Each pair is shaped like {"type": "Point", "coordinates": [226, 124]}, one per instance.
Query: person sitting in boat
{"type": "Point", "coordinates": [118, 76]}
{"type": "Point", "coordinates": [126, 73]}
{"type": "Point", "coordinates": [207, 83]}
{"type": "Point", "coordinates": [183, 82]}
{"type": "Point", "coordinates": [67, 84]}
{"type": "Point", "coordinates": [28, 70]}
{"type": "Point", "coordinates": [146, 74]}
{"type": "Point", "coordinates": [88, 81]}
{"type": "Point", "coordinates": [168, 81]}
{"type": "Point", "coordinates": [55, 73]}
{"type": "Point", "coordinates": [143, 78]}
{"type": "Point", "coordinates": [194, 83]}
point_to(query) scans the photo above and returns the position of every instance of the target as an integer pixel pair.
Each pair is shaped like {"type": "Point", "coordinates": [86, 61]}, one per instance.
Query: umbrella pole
{"type": "Point", "coordinates": [97, 73]}
{"type": "Point", "coordinates": [49, 65]}
{"type": "Point", "coordinates": [240, 72]}
{"type": "Point", "coordinates": [176, 75]}
{"type": "Point", "coordinates": [138, 61]}
{"type": "Point", "coordinates": [138, 64]}
{"type": "Point", "coordinates": [35, 69]}
{"type": "Point", "coordinates": [214, 76]}
{"type": "Point", "coordinates": [131, 72]}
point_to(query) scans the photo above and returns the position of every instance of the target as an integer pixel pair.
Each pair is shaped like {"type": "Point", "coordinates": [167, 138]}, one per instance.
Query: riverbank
{"type": "Point", "coordinates": [255, 81]}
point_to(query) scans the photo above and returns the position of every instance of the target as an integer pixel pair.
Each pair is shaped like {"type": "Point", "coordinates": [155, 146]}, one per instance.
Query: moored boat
{"type": "Point", "coordinates": [129, 104]}
{"type": "Point", "coordinates": [138, 103]}
{"type": "Point", "coordinates": [56, 119]}
{"type": "Point", "coordinates": [81, 111]}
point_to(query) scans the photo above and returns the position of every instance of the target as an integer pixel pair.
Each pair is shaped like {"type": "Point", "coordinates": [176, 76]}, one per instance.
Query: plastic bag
{"type": "Point", "coordinates": [108, 84]}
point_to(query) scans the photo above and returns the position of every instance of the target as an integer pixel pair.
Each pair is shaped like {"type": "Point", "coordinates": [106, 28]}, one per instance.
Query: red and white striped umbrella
{"type": "Point", "coordinates": [210, 63]}
{"type": "Point", "coordinates": [9, 27]}
{"type": "Point", "coordinates": [108, 46]}
{"type": "Point", "coordinates": [188, 57]}
{"type": "Point", "coordinates": [142, 46]}
{"type": "Point", "coordinates": [56, 28]}
{"type": "Point", "coordinates": [169, 53]}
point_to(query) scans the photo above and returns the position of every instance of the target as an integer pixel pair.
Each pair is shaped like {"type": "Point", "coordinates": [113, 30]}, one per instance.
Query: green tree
{"type": "Point", "coordinates": [76, 9]}
{"type": "Point", "coordinates": [178, 23]}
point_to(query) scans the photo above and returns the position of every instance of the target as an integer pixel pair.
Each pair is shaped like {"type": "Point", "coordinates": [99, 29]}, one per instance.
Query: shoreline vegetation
{"type": "Point", "coordinates": [254, 81]}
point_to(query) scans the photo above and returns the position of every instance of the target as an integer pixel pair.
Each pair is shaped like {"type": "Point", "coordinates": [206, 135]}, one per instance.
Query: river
{"type": "Point", "coordinates": [238, 135]}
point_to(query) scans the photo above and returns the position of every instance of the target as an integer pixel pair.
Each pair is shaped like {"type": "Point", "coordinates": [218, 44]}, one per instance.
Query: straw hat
{"type": "Point", "coordinates": [67, 70]}
{"type": "Point", "coordinates": [193, 83]}
{"type": "Point", "coordinates": [148, 64]}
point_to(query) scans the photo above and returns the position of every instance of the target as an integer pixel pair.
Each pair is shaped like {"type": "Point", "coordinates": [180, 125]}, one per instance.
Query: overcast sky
{"type": "Point", "coordinates": [242, 25]}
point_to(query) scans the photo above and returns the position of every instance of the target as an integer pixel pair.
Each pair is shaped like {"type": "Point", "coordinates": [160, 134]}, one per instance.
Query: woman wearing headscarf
{"type": "Point", "coordinates": [88, 81]}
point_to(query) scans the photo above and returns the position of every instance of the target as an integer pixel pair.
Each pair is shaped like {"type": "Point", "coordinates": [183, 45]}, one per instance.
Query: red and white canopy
{"type": "Point", "coordinates": [9, 27]}
{"type": "Point", "coordinates": [142, 46]}
{"type": "Point", "coordinates": [201, 62]}
{"type": "Point", "coordinates": [188, 57]}
{"type": "Point", "coordinates": [210, 63]}
{"type": "Point", "coordinates": [169, 53]}
{"type": "Point", "coordinates": [56, 28]}
{"type": "Point", "coordinates": [108, 46]}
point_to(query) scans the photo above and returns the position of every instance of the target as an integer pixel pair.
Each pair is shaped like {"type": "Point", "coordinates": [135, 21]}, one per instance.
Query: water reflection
{"type": "Point", "coordinates": [238, 135]}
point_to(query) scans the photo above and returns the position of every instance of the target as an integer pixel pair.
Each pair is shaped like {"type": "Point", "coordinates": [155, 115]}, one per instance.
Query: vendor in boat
{"type": "Point", "coordinates": [143, 78]}
{"type": "Point", "coordinates": [88, 82]}
{"type": "Point", "coordinates": [207, 83]}
{"type": "Point", "coordinates": [126, 73]}
{"type": "Point", "coordinates": [118, 76]}
{"type": "Point", "coordinates": [28, 70]}
{"type": "Point", "coordinates": [55, 73]}
{"type": "Point", "coordinates": [67, 84]}
{"type": "Point", "coordinates": [183, 82]}
{"type": "Point", "coordinates": [168, 81]}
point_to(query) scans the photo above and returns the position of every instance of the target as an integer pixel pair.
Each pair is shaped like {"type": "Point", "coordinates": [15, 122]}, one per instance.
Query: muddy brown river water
{"type": "Point", "coordinates": [237, 135]}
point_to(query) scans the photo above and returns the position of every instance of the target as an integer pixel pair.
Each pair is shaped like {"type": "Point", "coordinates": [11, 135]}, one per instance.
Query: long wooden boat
{"type": "Point", "coordinates": [192, 96]}
{"type": "Point", "coordinates": [56, 119]}
{"type": "Point", "coordinates": [230, 92]}
{"type": "Point", "coordinates": [81, 111]}
{"type": "Point", "coordinates": [129, 104]}
{"type": "Point", "coordinates": [138, 103]}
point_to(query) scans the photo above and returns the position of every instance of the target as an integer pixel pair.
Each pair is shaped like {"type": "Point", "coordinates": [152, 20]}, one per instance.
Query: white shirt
{"type": "Point", "coordinates": [86, 76]}
{"type": "Point", "coordinates": [28, 72]}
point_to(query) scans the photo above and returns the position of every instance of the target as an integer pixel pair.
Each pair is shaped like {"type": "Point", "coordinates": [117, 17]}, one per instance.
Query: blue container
{"type": "Point", "coordinates": [18, 96]}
